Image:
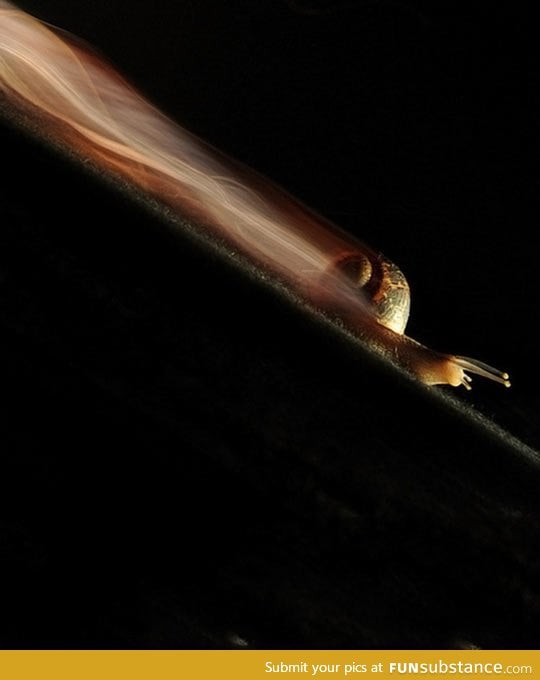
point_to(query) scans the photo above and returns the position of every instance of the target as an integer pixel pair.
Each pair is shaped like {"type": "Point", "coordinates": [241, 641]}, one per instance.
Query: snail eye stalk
{"type": "Point", "coordinates": [484, 370]}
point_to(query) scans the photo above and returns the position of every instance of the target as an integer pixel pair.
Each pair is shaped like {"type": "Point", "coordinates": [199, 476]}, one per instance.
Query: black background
{"type": "Point", "coordinates": [190, 461]}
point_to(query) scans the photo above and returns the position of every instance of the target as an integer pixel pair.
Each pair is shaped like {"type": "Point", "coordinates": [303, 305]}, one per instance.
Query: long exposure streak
{"type": "Point", "coordinates": [74, 97]}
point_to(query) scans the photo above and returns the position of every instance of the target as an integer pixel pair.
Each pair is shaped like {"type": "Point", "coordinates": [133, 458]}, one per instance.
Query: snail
{"type": "Point", "coordinates": [66, 93]}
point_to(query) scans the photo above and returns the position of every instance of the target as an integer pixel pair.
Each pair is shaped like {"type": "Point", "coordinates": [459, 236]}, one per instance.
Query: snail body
{"type": "Point", "coordinates": [388, 292]}
{"type": "Point", "coordinates": [73, 97]}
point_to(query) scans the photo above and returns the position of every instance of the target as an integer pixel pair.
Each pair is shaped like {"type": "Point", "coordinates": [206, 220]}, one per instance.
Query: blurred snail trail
{"type": "Point", "coordinates": [70, 95]}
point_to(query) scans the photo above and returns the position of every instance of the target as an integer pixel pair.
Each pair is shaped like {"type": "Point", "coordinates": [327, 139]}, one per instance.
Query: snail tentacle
{"type": "Point", "coordinates": [482, 369]}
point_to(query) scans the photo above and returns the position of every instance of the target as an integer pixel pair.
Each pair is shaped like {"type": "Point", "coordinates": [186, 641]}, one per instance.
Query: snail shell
{"type": "Point", "coordinates": [383, 283]}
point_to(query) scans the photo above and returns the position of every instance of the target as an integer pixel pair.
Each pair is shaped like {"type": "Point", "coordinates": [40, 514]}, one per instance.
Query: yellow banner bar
{"type": "Point", "coordinates": [267, 665]}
